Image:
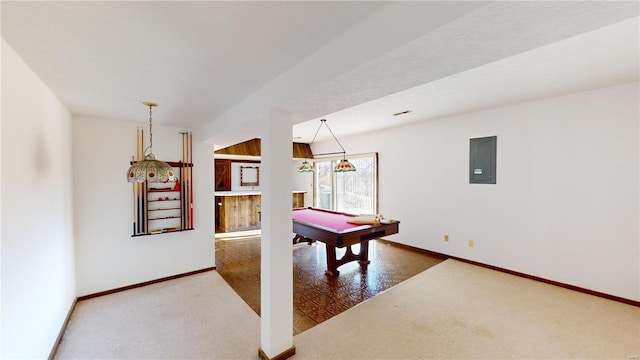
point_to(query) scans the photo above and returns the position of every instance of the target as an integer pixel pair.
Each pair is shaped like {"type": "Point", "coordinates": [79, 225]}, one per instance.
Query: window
{"type": "Point", "coordinates": [352, 192]}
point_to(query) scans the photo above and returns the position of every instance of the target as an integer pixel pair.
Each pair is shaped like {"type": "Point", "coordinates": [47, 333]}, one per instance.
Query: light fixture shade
{"type": "Point", "coordinates": [344, 166]}
{"type": "Point", "coordinates": [150, 169]}
{"type": "Point", "coordinates": [305, 167]}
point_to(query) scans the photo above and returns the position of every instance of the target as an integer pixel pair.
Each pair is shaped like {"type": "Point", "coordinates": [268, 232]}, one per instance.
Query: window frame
{"type": "Point", "coordinates": [334, 160]}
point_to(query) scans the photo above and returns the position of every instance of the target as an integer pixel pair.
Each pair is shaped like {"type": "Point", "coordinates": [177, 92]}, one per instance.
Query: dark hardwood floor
{"type": "Point", "coordinates": [316, 296]}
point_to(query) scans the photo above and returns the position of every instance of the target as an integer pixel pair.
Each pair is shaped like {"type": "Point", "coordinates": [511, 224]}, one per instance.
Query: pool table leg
{"type": "Point", "coordinates": [332, 262]}
{"type": "Point", "coordinates": [332, 266]}
{"type": "Point", "coordinates": [363, 256]}
{"type": "Point", "coordinates": [299, 238]}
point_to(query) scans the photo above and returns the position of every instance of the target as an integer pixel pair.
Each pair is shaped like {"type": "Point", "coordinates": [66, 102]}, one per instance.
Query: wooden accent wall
{"type": "Point", "coordinates": [240, 212]}
{"type": "Point", "coordinates": [302, 151]}
{"type": "Point", "coordinates": [297, 200]}
{"type": "Point", "coordinates": [252, 148]}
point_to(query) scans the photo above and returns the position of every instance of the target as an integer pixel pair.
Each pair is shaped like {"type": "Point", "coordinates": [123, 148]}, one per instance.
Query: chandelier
{"type": "Point", "coordinates": [150, 169]}
{"type": "Point", "coordinates": [343, 166]}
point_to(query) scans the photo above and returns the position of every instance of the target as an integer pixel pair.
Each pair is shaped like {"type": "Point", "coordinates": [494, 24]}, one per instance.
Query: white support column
{"type": "Point", "coordinates": [276, 185]}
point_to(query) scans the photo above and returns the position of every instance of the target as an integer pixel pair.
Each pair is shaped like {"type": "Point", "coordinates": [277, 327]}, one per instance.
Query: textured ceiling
{"type": "Point", "coordinates": [603, 57]}
{"type": "Point", "coordinates": [196, 59]}
{"type": "Point", "coordinates": [219, 67]}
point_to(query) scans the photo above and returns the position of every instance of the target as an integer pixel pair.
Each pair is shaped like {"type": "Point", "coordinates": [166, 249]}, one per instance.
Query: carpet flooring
{"type": "Point", "coordinates": [194, 317]}
{"type": "Point", "coordinates": [453, 310]}
{"type": "Point", "coordinates": [461, 311]}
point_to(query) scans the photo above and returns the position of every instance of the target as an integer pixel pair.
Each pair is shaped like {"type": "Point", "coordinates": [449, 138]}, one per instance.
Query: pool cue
{"type": "Point", "coordinates": [185, 182]}
{"type": "Point", "coordinates": [143, 217]}
{"type": "Point", "coordinates": [186, 148]}
{"type": "Point", "coordinates": [183, 222]}
{"type": "Point", "coordinates": [186, 177]}
{"type": "Point", "coordinates": [144, 207]}
{"type": "Point", "coordinates": [133, 199]}
{"type": "Point", "coordinates": [137, 185]}
{"type": "Point", "coordinates": [135, 193]}
{"type": "Point", "coordinates": [143, 213]}
{"type": "Point", "coordinates": [188, 189]}
{"type": "Point", "coordinates": [142, 225]}
{"type": "Point", "coordinates": [191, 178]}
{"type": "Point", "coordinates": [185, 161]}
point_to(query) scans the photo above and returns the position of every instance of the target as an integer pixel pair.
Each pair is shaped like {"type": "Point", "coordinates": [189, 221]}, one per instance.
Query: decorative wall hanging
{"type": "Point", "coordinates": [161, 207]}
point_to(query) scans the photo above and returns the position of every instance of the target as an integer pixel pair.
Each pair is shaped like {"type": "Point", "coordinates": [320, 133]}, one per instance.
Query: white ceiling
{"type": "Point", "coordinates": [603, 57]}
{"type": "Point", "coordinates": [218, 67]}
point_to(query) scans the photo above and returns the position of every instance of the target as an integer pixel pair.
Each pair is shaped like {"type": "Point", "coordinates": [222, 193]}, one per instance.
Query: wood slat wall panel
{"type": "Point", "coordinates": [302, 151]}
{"type": "Point", "coordinates": [252, 148]}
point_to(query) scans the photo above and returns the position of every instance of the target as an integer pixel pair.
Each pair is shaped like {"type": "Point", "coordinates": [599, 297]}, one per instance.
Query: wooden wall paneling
{"type": "Point", "coordinates": [218, 210]}
{"type": "Point", "coordinates": [235, 214]}
{"type": "Point", "coordinates": [252, 148]}
{"type": "Point", "coordinates": [239, 212]}
{"type": "Point", "coordinates": [257, 206]}
{"type": "Point", "coordinates": [249, 147]}
{"type": "Point", "coordinates": [243, 211]}
{"type": "Point", "coordinates": [302, 151]}
{"type": "Point", "coordinates": [298, 200]}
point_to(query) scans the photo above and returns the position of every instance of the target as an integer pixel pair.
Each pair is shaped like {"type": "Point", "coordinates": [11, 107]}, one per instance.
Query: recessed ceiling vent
{"type": "Point", "coordinates": [402, 113]}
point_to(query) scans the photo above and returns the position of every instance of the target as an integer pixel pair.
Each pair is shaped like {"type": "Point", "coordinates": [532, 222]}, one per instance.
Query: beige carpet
{"type": "Point", "coordinates": [451, 311]}
{"type": "Point", "coordinates": [195, 317]}
{"type": "Point", "coordinates": [460, 311]}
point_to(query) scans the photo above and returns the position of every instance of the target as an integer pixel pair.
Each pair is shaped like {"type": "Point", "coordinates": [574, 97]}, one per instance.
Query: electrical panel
{"type": "Point", "coordinates": [482, 160]}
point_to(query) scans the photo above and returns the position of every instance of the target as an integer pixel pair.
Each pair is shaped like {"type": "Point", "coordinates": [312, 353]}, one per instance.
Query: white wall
{"type": "Point", "coordinates": [303, 182]}
{"type": "Point", "coordinates": [38, 284]}
{"type": "Point", "coordinates": [107, 256]}
{"type": "Point", "coordinates": [566, 203]}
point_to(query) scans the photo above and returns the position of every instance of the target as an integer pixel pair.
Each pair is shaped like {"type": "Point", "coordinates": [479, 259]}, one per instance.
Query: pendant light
{"type": "Point", "coordinates": [150, 169]}
{"type": "Point", "coordinates": [343, 166]}
{"type": "Point", "coordinates": [305, 167]}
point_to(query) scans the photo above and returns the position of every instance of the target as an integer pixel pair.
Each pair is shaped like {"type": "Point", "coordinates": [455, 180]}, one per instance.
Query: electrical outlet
{"type": "Point", "coordinates": [470, 243]}
{"type": "Point", "coordinates": [446, 238]}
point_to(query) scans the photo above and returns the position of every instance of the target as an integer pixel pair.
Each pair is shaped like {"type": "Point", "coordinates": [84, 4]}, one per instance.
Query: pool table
{"type": "Point", "coordinates": [332, 229]}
